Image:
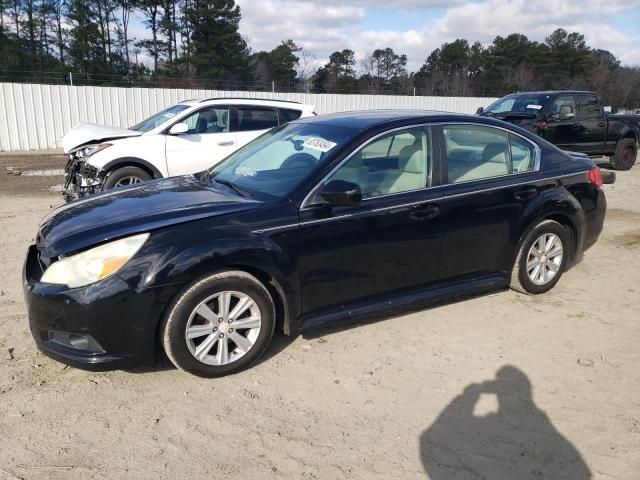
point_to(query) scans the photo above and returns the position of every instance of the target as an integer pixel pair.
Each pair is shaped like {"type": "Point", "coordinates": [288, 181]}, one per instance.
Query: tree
{"type": "Point", "coordinates": [218, 51]}
{"type": "Point", "coordinates": [85, 49]}
{"type": "Point", "coordinates": [278, 65]}
{"type": "Point", "coordinates": [338, 74]}
{"type": "Point", "coordinates": [152, 11]}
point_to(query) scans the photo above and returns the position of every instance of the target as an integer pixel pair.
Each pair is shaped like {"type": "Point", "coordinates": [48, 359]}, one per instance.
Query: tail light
{"type": "Point", "coordinates": [595, 177]}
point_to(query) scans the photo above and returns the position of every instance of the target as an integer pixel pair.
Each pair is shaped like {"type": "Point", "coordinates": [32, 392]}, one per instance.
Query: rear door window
{"type": "Point", "coordinates": [248, 118]}
{"type": "Point", "coordinates": [588, 107]}
{"type": "Point", "coordinates": [476, 152]}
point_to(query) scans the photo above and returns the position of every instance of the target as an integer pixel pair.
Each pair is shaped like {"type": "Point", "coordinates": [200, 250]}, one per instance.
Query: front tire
{"type": "Point", "coordinates": [125, 176]}
{"type": "Point", "coordinates": [625, 156]}
{"type": "Point", "coordinates": [542, 258]}
{"type": "Point", "coordinates": [219, 325]}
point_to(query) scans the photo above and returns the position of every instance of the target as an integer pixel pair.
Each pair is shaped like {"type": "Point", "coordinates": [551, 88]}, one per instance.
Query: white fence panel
{"type": "Point", "coordinates": [34, 117]}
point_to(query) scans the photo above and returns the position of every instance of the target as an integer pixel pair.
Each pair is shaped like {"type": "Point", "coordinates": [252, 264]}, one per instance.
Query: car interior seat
{"type": "Point", "coordinates": [354, 171]}
{"type": "Point", "coordinates": [410, 173]}
{"type": "Point", "coordinates": [207, 122]}
{"type": "Point", "coordinates": [494, 164]}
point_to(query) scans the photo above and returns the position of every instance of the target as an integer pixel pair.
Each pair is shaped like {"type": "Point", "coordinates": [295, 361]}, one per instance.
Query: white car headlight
{"type": "Point", "coordinates": [94, 264]}
{"type": "Point", "coordinates": [89, 150]}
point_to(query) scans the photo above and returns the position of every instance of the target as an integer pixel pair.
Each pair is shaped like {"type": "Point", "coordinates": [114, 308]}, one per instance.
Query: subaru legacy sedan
{"type": "Point", "coordinates": [320, 220]}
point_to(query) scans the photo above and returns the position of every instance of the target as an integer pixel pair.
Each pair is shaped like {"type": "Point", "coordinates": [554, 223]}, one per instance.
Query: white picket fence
{"type": "Point", "coordinates": [34, 117]}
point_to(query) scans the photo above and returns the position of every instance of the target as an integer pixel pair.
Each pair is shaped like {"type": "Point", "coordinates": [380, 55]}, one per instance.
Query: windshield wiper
{"type": "Point", "coordinates": [234, 187]}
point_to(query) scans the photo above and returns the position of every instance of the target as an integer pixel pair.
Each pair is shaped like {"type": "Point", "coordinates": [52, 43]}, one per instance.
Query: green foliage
{"type": "Point", "coordinates": [197, 44]}
{"type": "Point", "coordinates": [279, 65]}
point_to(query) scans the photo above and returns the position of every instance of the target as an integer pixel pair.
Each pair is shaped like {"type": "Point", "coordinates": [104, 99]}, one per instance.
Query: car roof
{"type": "Point", "coordinates": [553, 92]}
{"type": "Point", "coordinates": [360, 120]}
{"type": "Point", "coordinates": [249, 101]}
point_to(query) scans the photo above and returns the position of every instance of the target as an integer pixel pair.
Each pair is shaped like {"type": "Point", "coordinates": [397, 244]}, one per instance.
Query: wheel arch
{"type": "Point", "coordinates": [148, 167]}
{"type": "Point", "coordinates": [566, 211]}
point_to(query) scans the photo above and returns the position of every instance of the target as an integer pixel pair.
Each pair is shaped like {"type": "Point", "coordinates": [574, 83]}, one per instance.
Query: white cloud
{"type": "Point", "coordinates": [329, 25]}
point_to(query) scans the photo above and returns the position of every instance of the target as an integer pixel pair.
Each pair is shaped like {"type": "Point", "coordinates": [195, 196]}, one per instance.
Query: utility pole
{"type": "Point", "coordinates": [70, 79]}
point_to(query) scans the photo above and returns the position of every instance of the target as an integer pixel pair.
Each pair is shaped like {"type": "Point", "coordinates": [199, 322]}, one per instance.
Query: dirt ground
{"type": "Point", "coordinates": [503, 386]}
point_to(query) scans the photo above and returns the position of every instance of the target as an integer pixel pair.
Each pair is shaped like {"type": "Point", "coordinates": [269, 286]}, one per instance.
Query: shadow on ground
{"type": "Point", "coordinates": [515, 442]}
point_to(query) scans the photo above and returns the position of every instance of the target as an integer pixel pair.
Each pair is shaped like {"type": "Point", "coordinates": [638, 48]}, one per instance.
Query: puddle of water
{"type": "Point", "coordinates": [43, 173]}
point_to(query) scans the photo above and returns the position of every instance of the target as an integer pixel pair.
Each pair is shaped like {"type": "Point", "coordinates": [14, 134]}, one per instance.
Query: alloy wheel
{"type": "Point", "coordinates": [223, 328]}
{"type": "Point", "coordinates": [126, 181]}
{"type": "Point", "coordinates": [544, 258]}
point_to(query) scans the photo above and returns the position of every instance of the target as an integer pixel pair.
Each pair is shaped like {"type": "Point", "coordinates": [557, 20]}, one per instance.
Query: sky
{"type": "Point", "coordinates": [416, 27]}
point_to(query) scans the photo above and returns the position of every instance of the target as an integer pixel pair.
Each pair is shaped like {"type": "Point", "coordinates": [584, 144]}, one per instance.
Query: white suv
{"type": "Point", "coordinates": [186, 138]}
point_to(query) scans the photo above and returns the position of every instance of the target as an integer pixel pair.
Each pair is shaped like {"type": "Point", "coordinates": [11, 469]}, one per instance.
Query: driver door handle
{"type": "Point", "coordinates": [226, 143]}
{"type": "Point", "coordinates": [425, 212]}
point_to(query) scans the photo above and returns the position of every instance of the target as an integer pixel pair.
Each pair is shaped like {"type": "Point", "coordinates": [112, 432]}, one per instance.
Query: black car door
{"type": "Point", "coordinates": [486, 171]}
{"type": "Point", "coordinates": [592, 124]}
{"type": "Point", "coordinates": [389, 241]}
{"type": "Point", "coordinates": [562, 128]}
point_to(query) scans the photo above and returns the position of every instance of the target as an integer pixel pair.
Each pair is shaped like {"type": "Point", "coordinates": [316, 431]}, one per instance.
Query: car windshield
{"type": "Point", "coordinates": [159, 118]}
{"type": "Point", "coordinates": [275, 163]}
{"type": "Point", "coordinates": [518, 104]}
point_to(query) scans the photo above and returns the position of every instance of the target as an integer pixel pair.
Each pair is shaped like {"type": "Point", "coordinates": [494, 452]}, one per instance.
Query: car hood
{"type": "Point", "coordinates": [132, 210]}
{"type": "Point", "coordinates": [92, 132]}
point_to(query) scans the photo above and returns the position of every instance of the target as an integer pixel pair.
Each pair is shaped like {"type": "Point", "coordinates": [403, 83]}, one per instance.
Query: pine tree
{"type": "Point", "coordinates": [218, 51]}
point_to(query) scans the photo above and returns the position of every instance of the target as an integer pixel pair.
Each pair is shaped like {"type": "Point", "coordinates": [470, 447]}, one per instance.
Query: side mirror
{"type": "Point", "coordinates": [341, 193]}
{"type": "Point", "coordinates": [178, 129]}
{"type": "Point", "coordinates": [479, 110]}
{"type": "Point", "coordinates": [565, 112]}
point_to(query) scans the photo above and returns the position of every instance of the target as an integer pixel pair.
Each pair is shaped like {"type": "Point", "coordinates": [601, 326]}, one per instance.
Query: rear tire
{"type": "Point", "coordinates": [626, 154]}
{"type": "Point", "coordinates": [542, 258]}
{"type": "Point", "coordinates": [125, 176]}
{"type": "Point", "coordinates": [219, 325]}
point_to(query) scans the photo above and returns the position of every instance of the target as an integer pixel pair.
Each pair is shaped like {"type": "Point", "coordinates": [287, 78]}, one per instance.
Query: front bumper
{"type": "Point", "coordinates": [80, 179]}
{"type": "Point", "coordinates": [112, 324]}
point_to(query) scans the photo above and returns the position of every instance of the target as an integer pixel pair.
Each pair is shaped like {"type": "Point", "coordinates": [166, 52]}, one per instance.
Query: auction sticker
{"type": "Point", "coordinates": [534, 107]}
{"type": "Point", "coordinates": [319, 144]}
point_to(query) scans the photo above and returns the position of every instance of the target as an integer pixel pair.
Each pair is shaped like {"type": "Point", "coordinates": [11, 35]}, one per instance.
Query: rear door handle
{"type": "Point", "coordinates": [526, 193]}
{"type": "Point", "coordinates": [227, 143]}
{"type": "Point", "coordinates": [425, 212]}
{"type": "Point", "coordinates": [601, 124]}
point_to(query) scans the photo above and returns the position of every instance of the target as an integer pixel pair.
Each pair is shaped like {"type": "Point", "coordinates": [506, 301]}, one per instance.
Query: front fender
{"type": "Point", "coordinates": [164, 263]}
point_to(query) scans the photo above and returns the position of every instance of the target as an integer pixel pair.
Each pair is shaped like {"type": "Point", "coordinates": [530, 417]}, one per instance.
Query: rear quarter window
{"type": "Point", "coordinates": [288, 114]}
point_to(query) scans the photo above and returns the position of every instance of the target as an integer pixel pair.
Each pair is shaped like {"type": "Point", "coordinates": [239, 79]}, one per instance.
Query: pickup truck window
{"type": "Point", "coordinates": [560, 102]}
{"type": "Point", "coordinates": [588, 107]}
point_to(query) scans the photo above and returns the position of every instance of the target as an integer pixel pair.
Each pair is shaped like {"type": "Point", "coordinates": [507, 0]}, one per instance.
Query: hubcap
{"type": "Point", "coordinates": [544, 258]}
{"type": "Point", "coordinates": [125, 181]}
{"type": "Point", "coordinates": [223, 328]}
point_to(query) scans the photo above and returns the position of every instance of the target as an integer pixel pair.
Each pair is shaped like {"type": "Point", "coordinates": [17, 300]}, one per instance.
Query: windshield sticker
{"type": "Point", "coordinates": [534, 107]}
{"type": "Point", "coordinates": [245, 171]}
{"type": "Point", "coordinates": [319, 144]}
{"type": "Point", "coordinates": [169, 114]}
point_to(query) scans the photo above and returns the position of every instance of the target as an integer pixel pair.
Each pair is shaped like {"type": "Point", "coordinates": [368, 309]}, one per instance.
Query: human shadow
{"type": "Point", "coordinates": [518, 441]}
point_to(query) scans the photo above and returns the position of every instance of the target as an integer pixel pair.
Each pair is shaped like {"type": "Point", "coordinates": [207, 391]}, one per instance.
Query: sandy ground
{"type": "Point", "coordinates": [503, 386]}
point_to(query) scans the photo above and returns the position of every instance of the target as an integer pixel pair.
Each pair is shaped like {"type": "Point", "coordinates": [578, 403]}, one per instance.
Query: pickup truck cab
{"type": "Point", "coordinates": [572, 120]}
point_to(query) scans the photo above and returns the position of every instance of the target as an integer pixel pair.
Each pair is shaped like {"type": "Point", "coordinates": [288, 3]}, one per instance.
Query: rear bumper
{"type": "Point", "coordinates": [594, 220]}
{"type": "Point", "coordinates": [114, 325]}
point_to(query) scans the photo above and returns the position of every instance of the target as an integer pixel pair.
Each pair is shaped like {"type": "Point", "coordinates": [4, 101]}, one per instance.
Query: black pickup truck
{"type": "Point", "coordinates": [574, 121]}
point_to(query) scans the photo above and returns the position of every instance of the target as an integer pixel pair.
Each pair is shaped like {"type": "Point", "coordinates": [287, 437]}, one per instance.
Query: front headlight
{"type": "Point", "coordinates": [89, 150]}
{"type": "Point", "coordinates": [94, 264]}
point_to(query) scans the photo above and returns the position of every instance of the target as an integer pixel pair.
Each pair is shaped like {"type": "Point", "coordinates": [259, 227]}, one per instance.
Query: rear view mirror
{"type": "Point", "coordinates": [341, 193]}
{"type": "Point", "coordinates": [565, 112]}
{"type": "Point", "coordinates": [479, 110]}
{"type": "Point", "coordinates": [178, 129]}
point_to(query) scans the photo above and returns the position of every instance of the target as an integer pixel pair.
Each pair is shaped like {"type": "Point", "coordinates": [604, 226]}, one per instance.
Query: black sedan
{"type": "Point", "coordinates": [319, 220]}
